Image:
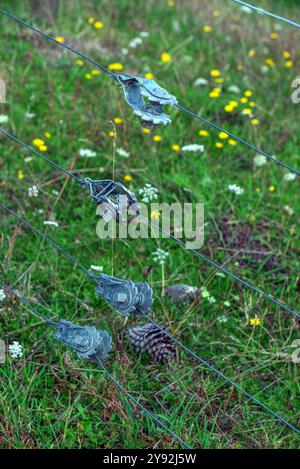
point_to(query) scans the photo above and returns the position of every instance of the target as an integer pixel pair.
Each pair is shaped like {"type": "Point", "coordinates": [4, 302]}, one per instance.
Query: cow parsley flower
{"type": "Point", "coordinates": [2, 295]}
{"type": "Point", "coordinates": [97, 268]}
{"type": "Point", "coordinates": [29, 115]}
{"type": "Point", "coordinates": [136, 41]}
{"type": "Point", "coordinates": [235, 189]}
{"type": "Point", "coordinates": [3, 119]}
{"type": "Point", "coordinates": [144, 34]}
{"type": "Point", "coordinates": [148, 193]}
{"type": "Point", "coordinates": [123, 153]}
{"type": "Point", "coordinates": [289, 177]}
{"type": "Point", "coordinates": [33, 191]}
{"type": "Point", "coordinates": [234, 89]}
{"type": "Point", "coordinates": [15, 350]}
{"type": "Point", "coordinates": [51, 223]}
{"type": "Point", "coordinates": [193, 147]}
{"type": "Point", "coordinates": [87, 153]}
{"type": "Point", "coordinates": [160, 256]}
{"type": "Point", "coordinates": [259, 160]}
{"type": "Point", "coordinates": [200, 82]}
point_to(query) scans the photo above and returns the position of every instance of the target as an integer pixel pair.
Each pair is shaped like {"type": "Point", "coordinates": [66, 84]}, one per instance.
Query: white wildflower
{"type": "Point", "coordinates": [193, 147]}
{"type": "Point", "coordinates": [33, 191]}
{"type": "Point", "coordinates": [148, 193]}
{"type": "Point", "coordinates": [222, 319]}
{"type": "Point", "coordinates": [28, 159]}
{"type": "Point", "coordinates": [121, 152]}
{"type": "Point", "coordinates": [245, 9]}
{"type": "Point", "coordinates": [289, 177]}
{"type": "Point", "coordinates": [51, 223]}
{"type": "Point", "coordinates": [3, 119]}
{"type": "Point", "coordinates": [124, 51]}
{"type": "Point", "coordinates": [259, 160]}
{"type": "Point", "coordinates": [87, 153]}
{"type": "Point", "coordinates": [15, 350]}
{"type": "Point", "coordinates": [226, 303]}
{"type": "Point", "coordinates": [234, 89]}
{"type": "Point", "coordinates": [144, 34]}
{"type": "Point", "coordinates": [97, 268]}
{"type": "Point", "coordinates": [29, 115]}
{"type": "Point", "coordinates": [136, 41]}
{"type": "Point", "coordinates": [211, 300]}
{"type": "Point", "coordinates": [200, 82]}
{"type": "Point", "coordinates": [288, 210]}
{"type": "Point", "coordinates": [235, 189]}
{"type": "Point", "coordinates": [204, 292]}
{"type": "Point", "coordinates": [2, 295]}
{"type": "Point", "coordinates": [264, 68]}
{"type": "Point", "coordinates": [160, 256]}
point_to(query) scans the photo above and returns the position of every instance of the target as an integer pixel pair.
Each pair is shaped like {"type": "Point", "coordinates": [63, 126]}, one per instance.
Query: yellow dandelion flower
{"type": "Point", "coordinates": [223, 135]}
{"type": "Point", "coordinates": [111, 134]}
{"type": "Point", "coordinates": [171, 3]}
{"type": "Point", "coordinates": [215, 73]}
{"type": "Point", "coordinates": [214, 94]}
{"type": "Point", "coordinates": [149, 76]}
{"type": "Point", "coordinates": [255, 321]}
{"type": "Point", "coordinates": [145, 130]}
{"type": "Point", "coordinates": [252, 53]}
{"type": "Point", "coordinates": [207, 29]}
{"type": "Point", "coordinates": [203, 133]}
{"type": "Point", "coordinates": [127, 178]}
{"type": "Point", "coordinates": [219, 80]}
{"type": "Point", "coordinates": [248, 93]}
{"type": "Point", "coordinates": [165, 57]}
{"type": "Point", "coordinates": [289, 64]}
{"type": "Point", "coordinates": [229, 108]}
{"type": "Point", "coordinates": [232, 142]}
{"type": "Point", "coordinates": [157, 138]}
{"type": "Point", "coordinates": [98, 25]}
{"type": "Point", "coordinates": [60, 39]}
{"type": "Point", "coordinates": [118, 120]}
{"type": "Point", "coordinates": [95, 72]}
{"type": "Point", "coordinates": [233, 103]}
{"type": "Point", "coordinates": [116, 67]}
{"type": "Point", "coordinates": [43, 148]}
{"type": "Point", "coordinates": [219, 144]}
{"type": "Point", "coordinates": [216, 13]}
{"type": "Point", "coordinates": [244, 100]}
{"type": "Point", "coordinates": [175, 147]}
{"type": "Point", "coordinates": [91, 20]}
{"type": "Point", "coordinates": [155, 214]}
{"type": "Point", "coordinates": [79, 62]}
{"type": "Point", "coordinates": [37, 142]}
{"type": "Point", "coordinates": [252, 104]}
{"type": "Point", "coordinates": [257, 190]}
{"type": "Point", "coordinates": [47, 135]}
{"type": "Point", "coordinates": [247, 111]}
{"type": "Point", "coordinates": [270, 62]}
{"type": "Point", "coordinates": [274, 36]}
{"type": "Point", "coordinates": [255, 121]}
{"type": "Point", "coordinates": [272, 188]}
{"type": "Point", "coordinates": [20, 175]}
{"type": "Point", "coordinates": [286, 54]}
{"type": "Point", "coordinates": [88, 76]}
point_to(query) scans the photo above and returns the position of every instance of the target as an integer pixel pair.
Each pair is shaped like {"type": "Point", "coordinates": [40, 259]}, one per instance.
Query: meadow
{"type": "Point", "coordinates": [230, 66]}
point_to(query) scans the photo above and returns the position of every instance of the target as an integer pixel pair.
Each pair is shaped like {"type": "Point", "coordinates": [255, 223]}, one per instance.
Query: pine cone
{"type": "Point", "coordinates": [148, 338]}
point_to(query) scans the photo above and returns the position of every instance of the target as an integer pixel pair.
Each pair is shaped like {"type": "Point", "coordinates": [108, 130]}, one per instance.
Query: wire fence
{"type": "Point", "coordinates": [76, 177]}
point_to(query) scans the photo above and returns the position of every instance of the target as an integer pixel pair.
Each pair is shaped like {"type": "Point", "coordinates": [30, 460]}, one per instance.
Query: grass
{"type": "Point", "coordinates": [50, 398]}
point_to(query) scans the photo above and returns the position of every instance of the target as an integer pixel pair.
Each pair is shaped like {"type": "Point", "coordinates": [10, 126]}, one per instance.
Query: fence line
{"type": "Point", "coordinates": [116, 383]}
{"type": "Point", "coordinates": [179, 106]}
{"type": "Point", "coordinates": [265, 12]}
{"type": "Point", "coordinates": [178, 241]}
{"type": "Point", "coordinates": [202, 361]}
